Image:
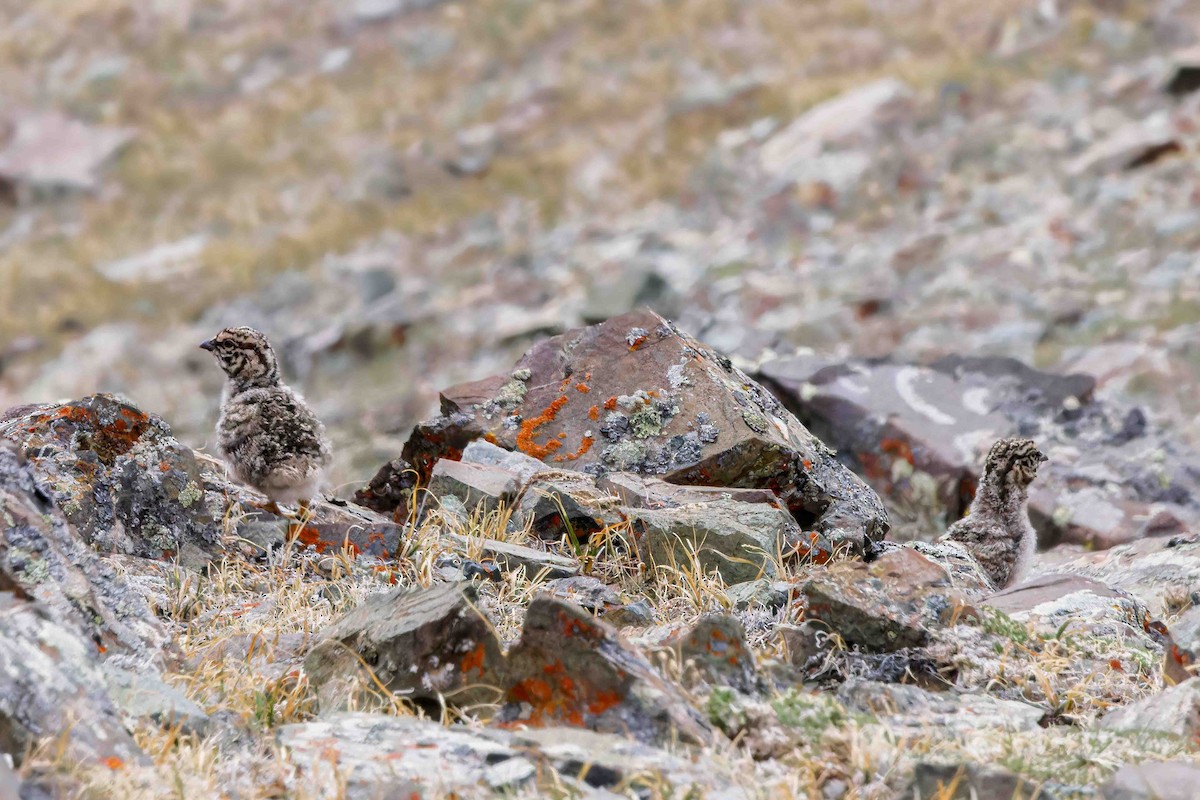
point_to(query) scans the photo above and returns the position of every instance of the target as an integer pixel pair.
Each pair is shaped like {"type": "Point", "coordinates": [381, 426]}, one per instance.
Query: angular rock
{"type": "Point", "coordinates": [845, 117]}
{"type": "Point", "coordinates": [1155, 571]}
{"type": "Point", "coordinates": [477, 486]}
{"type": "Point", "coordinates": [601, 599]}
{"type": "Point", "coordinates": [49, 152]}
{"type": "Point", "coordinates": [634, 394]}
{"type": "Point", "coordinates": [891, 603]}
{"type": "Point", "coordinates": [572, 669]}
{"type": "Point", "coordinates": [51, 685]}
{"type": "Point", "coordinates": [716, 647]}
{"type": "Point", "coordinates": [145, 697]}
{"type": "Point", "coordinates": [1160, 780]}
{"type": "Point", "coordinates": [640, 491]}
{"type": "Point", "coordinates": [119, 477]}
{"type": "Point", "coordinates": [919, 435]}
{"type": "Point", "coordinates": [971, 782]}
{"type": "Point", "coordinates": [1184, 649]}
{"type": "Point", "coordinates": [741, 541]}
{"type": "Point", "coordinates": [511, 557]}
{"type": "Point", "coordinates": [561, 504]}
{"type": "Point", "coordinates": [41, 557]}
{"type": "Point", "coordinates": [376, 756]}
{"type": "Point", "coordinates": [762, 593]}
{"type": "Point", "coordinates": [486, 454]}
{"type": "Point", "coordinates": [1175, 711]}
{"type": "Point", "coordinates": [1133, 145]}
{"type": "Point", "coordinates": [1058, 604]}
{"type": "Point", "coordinates": [423, 644]}
{"type": "Point", "coordinates": [904, 708]}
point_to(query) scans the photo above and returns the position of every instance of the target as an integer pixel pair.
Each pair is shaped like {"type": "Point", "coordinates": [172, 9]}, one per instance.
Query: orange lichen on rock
{"type": "Point", "coordinates": [594, 413]}
{"type": "Point", "coordinates": [525, 438]}
{"type": "Point", "coordinates": [637, 342]}
{"type": "Point", "coordinates": [585, 444]}
{"type": "Point", "coordinates": [473, 661]}
{"type": "Point", "coordinates": [610, 403]}
{"type": "Point", "coordinates": [897, 448]}
{"type": "Point", "coordinates": [582, 387]}
{"type": "Point", "coordinates": [114, 762]}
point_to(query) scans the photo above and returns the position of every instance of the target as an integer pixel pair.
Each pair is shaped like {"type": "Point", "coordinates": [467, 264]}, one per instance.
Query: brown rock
{"type": "Point", "coordinates": [634, 394]}
{"type": "Point", "coordinates": [893, 602]}
{"type": "Point", "coordinates": [424, 644]}
{"type": "Point", "coordinates": [570, 668]}
{"type": "Point", "coordinates": [716, 646]}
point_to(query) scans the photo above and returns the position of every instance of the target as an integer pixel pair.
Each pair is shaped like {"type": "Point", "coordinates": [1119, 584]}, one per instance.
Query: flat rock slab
{"type": "Point", "coordinates": [919, 434]}
{"type": "Point", "coordinates": [634, 394]}
{"type": "Point", "coordinates": [570, 668]}
{"type": "Point", "coordinates": [890, 603]}
{"type": "Point", "coordinates": [511, 557]}
{"type": "Point", "coordinates": [911, 709]}
{"type": "Point", "coordinates": [424, 644]}
{"type": "Point", "coordinates": [378, 757]}
{"type": "Point", "coordinates": [1174, 711]}
{"type": "Point", "coordinates": [1054, 603]}
{"type": "Point", "coordinates": [1152, 570]}
{"type": "Point", "coordinates": [1161, 780]}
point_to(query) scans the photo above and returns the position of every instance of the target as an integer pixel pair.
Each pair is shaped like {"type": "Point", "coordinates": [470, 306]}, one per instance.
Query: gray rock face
{"type": "Point", "coordinates": [424, 644]}
{"type": "Point", "coordinates": [1152, 570]}
{"type": "Point", "coordinates": [377, 757]}
{"type": "Point", "coordinates": [571, 668]}
{"type": "Point", "coordinates": [918, 434]}
{"type": "Point", "coordinates": [51, 685]}
{"type": "Point", "coordinates": [634, 394]}
{"type": "Point", "coordinates": [1185, 652]}
{"type": "Point", "coordinates": [141, 696]}
{"type": "Point", "coordinates": [1171, 780]}
{"type": "Point", "coordinates": [511, 557]}
{"type": "Point", "coordinates": [602, 600]}
{"type": "Point", "coordinates": [477, 486]}
{"type": "Point", "coordinates": [1174, 711]}
{"type": "Point", "coordinates": [41, 557]}
{"type": "Point", "coordinates": [894, 602]}
{"type": "Point", "coordinates": [913, 708]}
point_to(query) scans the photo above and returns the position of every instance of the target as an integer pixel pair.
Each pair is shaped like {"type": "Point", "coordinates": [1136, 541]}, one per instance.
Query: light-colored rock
{"type": "Point", "coordinates": [1170, 780]}
{"type": "Point", "coordinates": [1175, 711]}
{"type": "Point", "coordinates": [48, 151]}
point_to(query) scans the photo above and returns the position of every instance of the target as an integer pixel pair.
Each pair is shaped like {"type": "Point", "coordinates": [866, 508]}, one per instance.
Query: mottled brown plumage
{"type": "Point", "coordinates": [267, 435]}
{"type": "Point", "coordinates": [997, 532]}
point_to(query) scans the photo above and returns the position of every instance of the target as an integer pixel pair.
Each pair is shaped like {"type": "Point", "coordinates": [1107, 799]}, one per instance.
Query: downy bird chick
{"type": "Point", "coordinates": [997, 532]}
{"type": "Point", "coordinates": [268, 436]}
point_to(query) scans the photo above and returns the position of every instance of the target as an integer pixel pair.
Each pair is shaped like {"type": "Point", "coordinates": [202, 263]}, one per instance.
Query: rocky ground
{"type": "Point", "coordinates": [621, 568]}
{"type": "Point", "coordinates": [629, 562]}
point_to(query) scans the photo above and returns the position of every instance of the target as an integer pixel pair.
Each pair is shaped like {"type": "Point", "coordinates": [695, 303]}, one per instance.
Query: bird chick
{"type": "Point", "coordinates": [997, 532]}
{"type": "Point", "coordinates": [268, 436]}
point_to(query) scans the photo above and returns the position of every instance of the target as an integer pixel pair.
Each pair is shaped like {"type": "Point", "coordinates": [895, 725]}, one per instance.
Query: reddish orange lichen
{"type": "Point", "coordinates": [113, 762]}
{"type": "Point", "coordinates": [594, 413]}
{"type": "Point", "coordinates": [582, 387]}
{"type": "Point", "coordinates": [585, 444]}
{"type": "Point", "coordinates": [610, 403]}
{"type": "Point", "coordinates": [525, 438]}
{"type": "Point", "coordinates": [473, 661]}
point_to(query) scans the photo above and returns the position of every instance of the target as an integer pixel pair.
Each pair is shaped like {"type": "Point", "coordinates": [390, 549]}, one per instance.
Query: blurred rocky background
{"type": "Point", "coordinates": [408, 194]}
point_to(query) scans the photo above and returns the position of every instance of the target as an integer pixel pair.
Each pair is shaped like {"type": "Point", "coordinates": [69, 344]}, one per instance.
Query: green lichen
{"type": "Point", "coordinates": [754, 421]}
{"type": "Point", "coordinates": [513, 392]}
{"type": "Point", "coordinates": [190, 494]}
{"type": "Point", "coordinates": [645, 422]}
{"type": "Point", "coordinates": [624, 456]}
{"type": "Point", "coordinates": [1000, 624]}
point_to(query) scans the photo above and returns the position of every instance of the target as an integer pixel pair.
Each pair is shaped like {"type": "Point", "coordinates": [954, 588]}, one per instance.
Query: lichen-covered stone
{"type": "Point", "coordinates": [570, 668]}
{"type": "Point", "coordinates": [1170, 780]}
{"type": "Point", "coordinates": [427, 645]}
{"type": "Point", "coordinates": [51, 685]}
{"type": "Point", "coordinates": [1174, 711]}
{"type": "Point", "coordinates": [119, 477]}
{"type": "Point", "coordinates": [716, 647]}
{"type": "Point", "coordinates": [634, 394]}
{"type": "Point", "coordinates": [893, 602]}
{"type": "Point", "coordinates": [42, 557]}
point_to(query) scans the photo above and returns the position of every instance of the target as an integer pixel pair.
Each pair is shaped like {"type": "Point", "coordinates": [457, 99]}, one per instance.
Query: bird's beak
{"type": "Point", "coordinates": [210, 345]}
{"type": "Point", "coordinates": [1043, 457]}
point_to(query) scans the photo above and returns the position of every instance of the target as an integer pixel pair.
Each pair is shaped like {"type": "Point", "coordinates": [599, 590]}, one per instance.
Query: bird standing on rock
{"type": "Point", "coordinates": [997, 532]}
{"type": "Point", "coordinates": [268, 436]}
